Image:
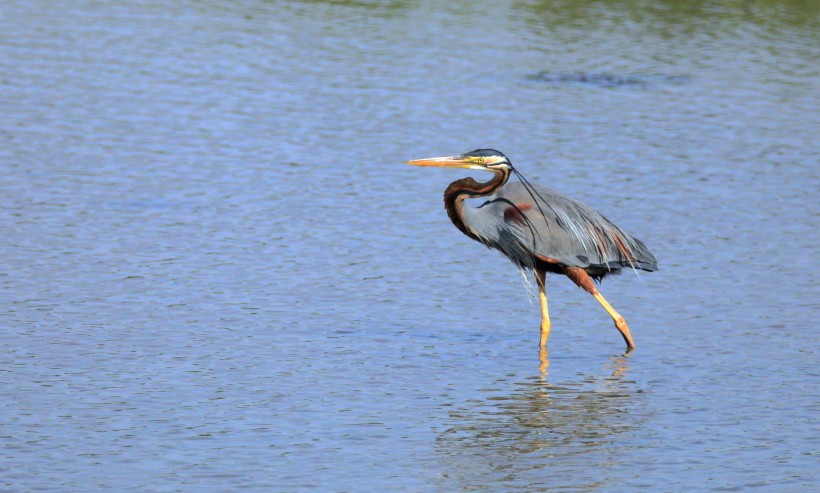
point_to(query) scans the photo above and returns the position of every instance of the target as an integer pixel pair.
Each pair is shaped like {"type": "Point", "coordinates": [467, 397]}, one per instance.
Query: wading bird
{"type": "Point", "coordinates": [540, 230]}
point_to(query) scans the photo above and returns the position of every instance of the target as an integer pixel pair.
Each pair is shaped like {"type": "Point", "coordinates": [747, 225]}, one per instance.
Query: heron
{"type": "Point", "coordinates": [540, 230]}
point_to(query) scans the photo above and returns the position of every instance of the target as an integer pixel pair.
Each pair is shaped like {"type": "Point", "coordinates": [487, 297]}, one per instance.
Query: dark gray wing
{"type": "Point", "coordinates": [546, 224]}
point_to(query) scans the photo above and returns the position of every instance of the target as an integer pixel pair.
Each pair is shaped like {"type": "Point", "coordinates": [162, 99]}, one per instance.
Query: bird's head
{"type": "Point", "coordinates": [483, 159]}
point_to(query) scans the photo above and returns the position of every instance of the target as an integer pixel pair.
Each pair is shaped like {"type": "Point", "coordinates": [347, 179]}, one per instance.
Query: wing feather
{"type": "Point", "coordinates": [547, 224]}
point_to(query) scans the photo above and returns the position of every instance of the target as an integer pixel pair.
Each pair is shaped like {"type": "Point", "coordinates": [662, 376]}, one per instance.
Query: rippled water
{"type": "Point", "coordinates": [217, 274]}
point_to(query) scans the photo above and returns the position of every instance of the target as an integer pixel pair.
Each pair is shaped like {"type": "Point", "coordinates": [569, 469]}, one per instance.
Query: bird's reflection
{"type": "Point", "coordinates": [543, 361]}
{"type": "Point", "coordinates": [568, 434]}
{"type": "Point", "coordinates": [618, 364]}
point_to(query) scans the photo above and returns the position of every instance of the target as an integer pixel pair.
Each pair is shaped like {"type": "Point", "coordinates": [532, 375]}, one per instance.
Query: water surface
{"type": "Point", "coordinates": [217, 274]}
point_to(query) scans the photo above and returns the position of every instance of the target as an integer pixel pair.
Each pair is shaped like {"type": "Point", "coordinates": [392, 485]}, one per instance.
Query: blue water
{"type": "Point", "coordinates": [218, 275]}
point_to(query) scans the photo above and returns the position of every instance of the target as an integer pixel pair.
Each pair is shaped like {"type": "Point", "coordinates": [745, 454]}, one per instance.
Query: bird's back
{"type": "Point", "coordinates": [539, 223]}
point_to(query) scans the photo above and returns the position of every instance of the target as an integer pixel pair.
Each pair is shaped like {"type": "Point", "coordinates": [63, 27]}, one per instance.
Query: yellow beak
{"type": "Point", "coordinates": [447, 162]}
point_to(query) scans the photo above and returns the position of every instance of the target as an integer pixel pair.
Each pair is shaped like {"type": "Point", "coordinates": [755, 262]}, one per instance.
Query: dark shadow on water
{"type": "Point", "coordinates": [609, 80]}
{"type": "Point", "coordinates": [543, 436]}
{"type": "Point", "coordinates": [372, 5]}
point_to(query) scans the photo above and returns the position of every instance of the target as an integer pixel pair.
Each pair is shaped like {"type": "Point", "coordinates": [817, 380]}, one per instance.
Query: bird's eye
{"type": "Point", "coordinates": [479, 160]}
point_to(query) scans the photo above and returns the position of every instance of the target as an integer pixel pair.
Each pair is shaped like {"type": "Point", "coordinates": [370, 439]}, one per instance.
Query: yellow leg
{"type": "Point", "coordinates": [541, 278]}
{"type": "Point", "coordinates": [620, 323]}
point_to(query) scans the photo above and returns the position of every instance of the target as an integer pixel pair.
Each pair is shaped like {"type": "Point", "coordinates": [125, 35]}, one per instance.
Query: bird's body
{"type": "Point", "coordinates": [576, 235]}
{"type": "Point", "coordinates": [541, 230]}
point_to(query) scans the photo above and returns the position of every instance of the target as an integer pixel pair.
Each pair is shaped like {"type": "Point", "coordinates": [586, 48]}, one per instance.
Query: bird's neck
{"type": "Point", "coordinates": [467, 187]}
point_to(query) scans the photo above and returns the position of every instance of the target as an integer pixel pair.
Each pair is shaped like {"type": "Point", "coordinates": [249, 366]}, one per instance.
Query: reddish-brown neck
{"type": "Point", "coordinates": [467, 187]}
